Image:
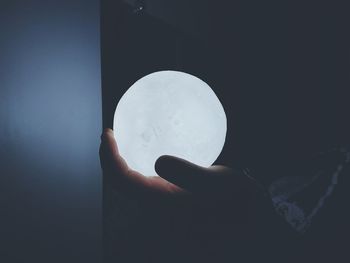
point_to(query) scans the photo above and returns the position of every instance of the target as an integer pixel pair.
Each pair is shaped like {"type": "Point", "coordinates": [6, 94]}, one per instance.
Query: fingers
{"type": "Point", "coordinates": [215, 182]}
{"type": "Point", "coordinates": [109, 154]}
{"type": "Point", "coordinates": [123, 177]}
{"type": "Point", "coordinates": [116, 168]}
{"type": "Point", "coordinates": [189, 176]}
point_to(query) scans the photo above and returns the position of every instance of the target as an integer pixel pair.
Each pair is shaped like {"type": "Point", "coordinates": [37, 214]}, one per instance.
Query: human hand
{"type": "Point", "coordinates": [177, 177]}
{"type": "Point", "coordinates": [187, 205]}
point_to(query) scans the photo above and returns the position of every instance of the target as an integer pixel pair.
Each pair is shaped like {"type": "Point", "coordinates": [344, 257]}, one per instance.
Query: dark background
{"type": "Point", "coordinates": [50, 123]}
{"type": "Point", "coordinates": [280, 69]}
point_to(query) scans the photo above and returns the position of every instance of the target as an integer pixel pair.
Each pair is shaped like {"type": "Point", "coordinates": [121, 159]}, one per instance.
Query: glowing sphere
{"type": "Point", "coordinates": [169, 113]}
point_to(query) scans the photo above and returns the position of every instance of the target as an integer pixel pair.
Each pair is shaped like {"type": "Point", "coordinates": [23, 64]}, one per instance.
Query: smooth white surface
{"type": "Point", "coordinates": [172, 113]}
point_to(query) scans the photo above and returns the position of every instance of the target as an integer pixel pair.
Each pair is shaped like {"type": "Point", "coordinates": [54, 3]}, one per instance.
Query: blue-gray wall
{"type": "Point", "coordinates": [50, 123]}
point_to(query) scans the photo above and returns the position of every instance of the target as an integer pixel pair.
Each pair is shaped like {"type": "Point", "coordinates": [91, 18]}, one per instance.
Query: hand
{"type": "Point", "coordinates": [127, 180]}
{"type": "Point", "coordinates": [212, 205]}
{"type": "Point", "coordinates": [177, 177]}
{"type": "Point", "coordinates": [215, 186]}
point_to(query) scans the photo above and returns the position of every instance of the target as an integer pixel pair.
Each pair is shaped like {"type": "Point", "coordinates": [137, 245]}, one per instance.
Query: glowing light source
{"type": "Point", "coordinates": [169, 113]}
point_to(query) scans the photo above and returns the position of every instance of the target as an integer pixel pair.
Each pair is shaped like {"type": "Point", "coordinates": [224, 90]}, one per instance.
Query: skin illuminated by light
{"type": "Point", "coordinates": [169, 113]}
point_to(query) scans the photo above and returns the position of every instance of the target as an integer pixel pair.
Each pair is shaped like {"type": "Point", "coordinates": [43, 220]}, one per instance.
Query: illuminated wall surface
{"type": "Point", "coordinates": [50, 123]}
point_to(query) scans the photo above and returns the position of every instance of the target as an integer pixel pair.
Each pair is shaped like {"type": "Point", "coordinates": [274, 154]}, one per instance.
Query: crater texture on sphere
{"type": "Point", "coordinates": [169, 113]}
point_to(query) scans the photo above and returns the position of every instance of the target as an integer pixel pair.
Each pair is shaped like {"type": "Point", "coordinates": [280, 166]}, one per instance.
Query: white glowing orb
{"type": "Point", "coordinates": [169, 113]}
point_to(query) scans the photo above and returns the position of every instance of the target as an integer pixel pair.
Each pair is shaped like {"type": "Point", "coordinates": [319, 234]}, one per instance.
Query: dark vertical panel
{"type": "Point", "coordinates": [133, 45]}
{"type": "Point", "coordinates": [50, 122]}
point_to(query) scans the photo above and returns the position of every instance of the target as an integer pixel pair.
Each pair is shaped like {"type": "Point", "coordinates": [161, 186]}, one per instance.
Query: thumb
{"type": "Point", "coordinates": [188, 175]}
